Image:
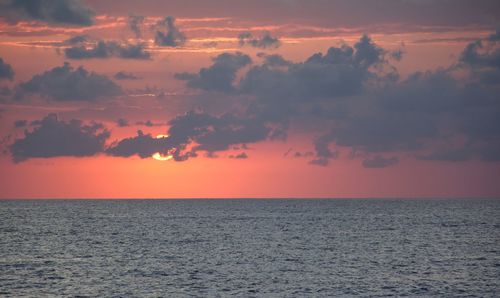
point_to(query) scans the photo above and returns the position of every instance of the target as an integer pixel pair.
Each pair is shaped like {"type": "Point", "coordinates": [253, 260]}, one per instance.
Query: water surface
{"type": "Point", "coordinates": [293, 248]}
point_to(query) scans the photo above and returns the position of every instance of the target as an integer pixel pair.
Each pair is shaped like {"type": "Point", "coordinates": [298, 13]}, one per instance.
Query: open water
{"type": "Point", "coordinates": [250, 248]}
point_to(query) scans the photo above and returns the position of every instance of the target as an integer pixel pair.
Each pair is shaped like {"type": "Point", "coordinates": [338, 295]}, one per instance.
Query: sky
{"type": "Point", "coordinates": [249, 99]}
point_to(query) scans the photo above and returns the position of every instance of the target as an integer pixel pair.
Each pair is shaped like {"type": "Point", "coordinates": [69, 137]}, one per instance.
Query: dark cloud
{"type": "Point", "coordinates": [122, 75]}
{"type": "Point", "coordinates": [143, 145]}
{"type": "Point", "coordinates": [167, 34]}
{"type": "Point", "coordinates": [53, 137]}
{"type": "Point", "coordinates": [149, 123]}
{"type": "Point", "coordinates": [323, 152]}
{"type": "Point", "coordinates": [453, 155]}
{"type": "Point", "coordinates": [135, 22]}
{"type": "Point", "coordinates": [78, 39]}
{"type": "Point", "coordinates": [107, 49]}
{"type": "Point", "coordinates": [195, 132]}
{"type": "Point", "coordinates": [483, 58]}
{"type": "Point", "coordinates": [6, 71]}
{"type": "Point", "coordinates": [473, 56]}
{"type": "Point", "coordinates": [242, 155]}
{"type": "Point", "coordinates": [20, 123]}
{"type": "Point", "coordinates": [122, 122]}
{"type": "Point", "coordinates": [265, 41]}
{"type": "Point", "coordinates": [380, 162]}
{"type": "Point", "coordinates": [342, 71]}
{"type": "Point", "coordinates": [363, 105]}
{"type": "Point", "coordinates": [70, 12]}
{"type": "Point", "coordinates": [351, 98]}
{"type": "Point", "coordinates": [100, 50]}
{"type": "Point", "coordinates": [65, 83]}
{"type": "Point", "coordinates": [220, 75]}
{"type": "Point", "coordinates": [495, 36]}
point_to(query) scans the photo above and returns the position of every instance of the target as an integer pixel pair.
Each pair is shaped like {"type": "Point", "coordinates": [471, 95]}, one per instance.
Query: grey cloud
{"type": "Point", "coordinates": [220, 75]}
{"type": "Point", "coordinates": [70, 12]}
{"type": "Point", "coordinates": [473, 57]}
{"type": "Point", "coordinates": [200, 132]}
{"type": "Point", "coordinates": [65, 83]}
{"type": "Point", "coordinates": [265, 41]}
{"type": "Point", "coordinates": [453, 155]}
{"type": "Point", "coordinates": [6, 71]}
{"type": "Point", "coordinates": [483, 58]}
{"type": "Point", "coordinates": [134, 23]}
{"type": "Point", "coordinates": [341, 71]}
{"type": "Point", "coordinates": [397, 54]}
{"type": "Point", "coordinates": [242, 155]}
{"type": "Point", "coordinates": [20, 123]}
{"type": "Point", "coordinates": [364, 105]}
{"type": "Point", "coordinates": [323, 152]}
{"type": "Point", "coordinates": [167, 34]}
{"type": "Point", "coordinates": [357, 106]}
{"type": "Point", "coordinates": [122, 75]}
{"type": "Point", "coordinates": [76, 39]}
{"type": "Point", "coordinates": [53, 137]}
{"type": "Point", "coordinates": [122, 122]}
{"type": "Point", "coordinates": [149, 123]}
{"type": "Point", "coordinates": [143, 145]}
{"type": "Point", "coordinates": [107, 49]}
{"type": "Point", "coordinates": [380, 162]}
{"type": "Point", "coordinates": [495, 36]}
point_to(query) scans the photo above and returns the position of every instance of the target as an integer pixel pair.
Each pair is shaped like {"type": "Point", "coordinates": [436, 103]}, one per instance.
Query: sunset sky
{"type": "Point", "coordinates": [249, 99]}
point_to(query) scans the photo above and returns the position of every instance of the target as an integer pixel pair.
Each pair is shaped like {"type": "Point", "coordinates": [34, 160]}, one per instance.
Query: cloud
{"type": "Point", "coordinates": [220, 75]}
{"type": "Point", "coordinates": [20, 123]}
{"type": "Point", "coordinates": [149, 123]}
{"type": "Point", "coordinates": [134, 23]}
{"type": "Point", "coordinates": [77, 39]}
{"type": "Point", "coordinates": [483, 58]}
{"type": "Point", "coordinates": [342, 71]}
{"type": "Point", "coordinates": [122, 75]}
{"type": "Point", "coordinates": [53, 138]}
{"type": "Point", "coordinates": [265, 41]}
{"type": "Point", "coordinates": [193, 132]}
{"type": "Point", "coordinates": [361, 104]}
{"type": "Point", "coordinates": [6, 71]}
{"type": "Point", "coordinates": [69, 12]}
{"type": "Point", "coordinates": [143, 145]}
{"type": "Point", "coordinates": [453, 155]}
{"type": "Point", "coordinates": [350, 98]}
{"type": "Point", "coordinates": [242, 155]}
{"type": "Point", "coordinates": [122, 122]}
{"type": "Point", "coordinates": [379, 162]}
{"type": "Point", "coordinates": [107, 49]}
{"type": "Point", "coordinates": [167, 34]}
{"type": "Point", "coordinates": [65, 83]}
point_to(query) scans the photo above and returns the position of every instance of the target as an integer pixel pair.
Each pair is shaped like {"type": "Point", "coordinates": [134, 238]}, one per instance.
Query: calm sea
{"type": "Point", "coordinates": [264, 248]}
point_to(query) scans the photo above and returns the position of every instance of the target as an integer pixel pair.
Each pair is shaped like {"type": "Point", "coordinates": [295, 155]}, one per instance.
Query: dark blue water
{"type": "Point", "coordinates": [293, 248]}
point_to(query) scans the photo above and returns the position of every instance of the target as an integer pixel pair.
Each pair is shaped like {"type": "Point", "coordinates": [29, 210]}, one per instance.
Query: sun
{"type": "Point", "coordinates": [161, 157]}
{"type": "Point", "coordinates": [158, 155]}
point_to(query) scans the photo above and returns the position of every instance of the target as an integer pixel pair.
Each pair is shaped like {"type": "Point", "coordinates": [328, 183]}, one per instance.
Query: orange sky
{"type": "Point", "coordinates": [32, 47]}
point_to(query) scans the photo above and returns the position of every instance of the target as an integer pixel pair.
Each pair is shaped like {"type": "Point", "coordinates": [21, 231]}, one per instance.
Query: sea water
{"type": "Point", "coordinates": [247, 248]}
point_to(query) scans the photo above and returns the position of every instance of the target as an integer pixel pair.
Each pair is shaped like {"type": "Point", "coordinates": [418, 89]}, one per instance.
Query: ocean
{"type": "Point", "coordinates": [250, 248]}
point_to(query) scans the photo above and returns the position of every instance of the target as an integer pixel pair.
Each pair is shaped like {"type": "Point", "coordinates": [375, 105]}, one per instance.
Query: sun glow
{"type": "Point", "coordinates": [161, 157]}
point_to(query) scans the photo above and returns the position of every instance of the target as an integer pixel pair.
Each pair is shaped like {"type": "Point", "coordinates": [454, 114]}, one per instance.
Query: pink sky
{"type": "Point", "coordinates": [398, 103]}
